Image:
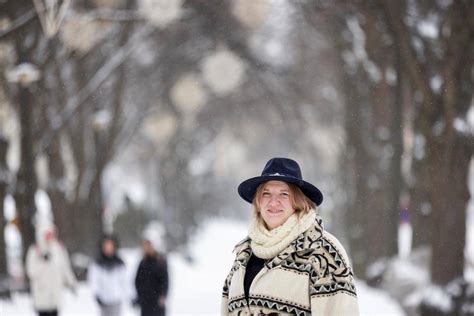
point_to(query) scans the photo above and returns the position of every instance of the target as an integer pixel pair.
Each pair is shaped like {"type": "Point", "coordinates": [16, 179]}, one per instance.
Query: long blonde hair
{"type": "Point", "coordinates": [300, 202]}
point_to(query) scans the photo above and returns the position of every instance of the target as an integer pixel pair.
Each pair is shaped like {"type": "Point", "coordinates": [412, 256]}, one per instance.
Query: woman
{"type": "Point", "coordinates": [108, 278]}
{"type": "Point", "coordinates": [151, 281]}
{"type": "Point", "coordinates": [288, 264]}
{"type": "Point", "coordinates": [49, 271]}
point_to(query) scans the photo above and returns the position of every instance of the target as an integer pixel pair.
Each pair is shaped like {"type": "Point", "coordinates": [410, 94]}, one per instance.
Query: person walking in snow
{"type": "Point", "coordinates": [288, 264]}
{"type": "Point", "coordinates": [151, 281]}
{"type": "Point", "coordinates": [107, 278]}
{"type": "Point", "coordinates": [49, 270]}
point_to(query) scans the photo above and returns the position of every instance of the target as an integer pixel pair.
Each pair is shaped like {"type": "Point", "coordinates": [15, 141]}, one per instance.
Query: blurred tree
{"type": "Point", "coordinates": [22, 78]}
{"type": "Point", "coordinates": [371, 161]}
{"type": "Point", "coordinates": [430, 44]}
{"type": "Point", "coordinates": [447, 58]}
{"type": "Point", "coordinates": [4, 278]}
{"type": "Point", "coordinates": [78, 121]}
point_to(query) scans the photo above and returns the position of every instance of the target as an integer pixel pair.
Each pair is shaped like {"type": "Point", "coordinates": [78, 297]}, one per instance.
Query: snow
{"type": "Point", "coordinates": [429, 28]}
{"type": "Point", "coordinates": [359, 54]}
{"type": "Point", "coordinates": [436, 297]}
{"type": "Point", "coordinates": [436, 82]}
{"type": "Point", "coordinates": [24, 73]}
{"type": "Point", "coordinates": [196, 282]}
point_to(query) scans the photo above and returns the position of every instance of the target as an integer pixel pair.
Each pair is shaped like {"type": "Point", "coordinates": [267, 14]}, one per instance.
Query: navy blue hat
{"type": "Point", "coordinates": [281, 169]}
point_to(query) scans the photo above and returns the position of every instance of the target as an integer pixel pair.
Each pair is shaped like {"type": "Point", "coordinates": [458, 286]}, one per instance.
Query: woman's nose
{"type": "Point", "coordinates": [273, 200]}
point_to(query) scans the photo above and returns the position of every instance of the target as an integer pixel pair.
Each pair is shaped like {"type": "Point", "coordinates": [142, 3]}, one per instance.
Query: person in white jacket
{"type": "Point", "coordinates": [288, 264]}
{"type": "Point", "coordinates": [107, 278]}
{"type": "Point", "coordinates": [49, 270]}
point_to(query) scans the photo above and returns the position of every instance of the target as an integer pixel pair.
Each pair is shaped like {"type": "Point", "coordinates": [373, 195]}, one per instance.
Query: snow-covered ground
{"type": "Point", "coordinates": [195, 287]}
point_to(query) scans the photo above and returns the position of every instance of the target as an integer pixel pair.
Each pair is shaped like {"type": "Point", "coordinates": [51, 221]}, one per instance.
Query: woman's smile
{"type": "Point", "coordinates": [275, 212]}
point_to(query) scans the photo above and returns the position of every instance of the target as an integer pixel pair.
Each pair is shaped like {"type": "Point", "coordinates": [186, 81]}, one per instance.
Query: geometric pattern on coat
{"type": "Point", "coordinates": [315, 256]}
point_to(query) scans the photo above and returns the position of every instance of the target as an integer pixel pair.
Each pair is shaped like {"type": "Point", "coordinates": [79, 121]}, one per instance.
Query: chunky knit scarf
{"type": "Point", "coordinates": [267, 244]}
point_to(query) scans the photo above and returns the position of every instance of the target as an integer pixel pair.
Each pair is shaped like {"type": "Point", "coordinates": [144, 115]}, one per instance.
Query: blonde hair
{"type": "Point", "coordinates": [299, 201]}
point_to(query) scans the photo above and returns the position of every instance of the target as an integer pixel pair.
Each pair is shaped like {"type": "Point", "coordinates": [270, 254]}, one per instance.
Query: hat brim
{"type": "Point", "coordinates": [248, 188]}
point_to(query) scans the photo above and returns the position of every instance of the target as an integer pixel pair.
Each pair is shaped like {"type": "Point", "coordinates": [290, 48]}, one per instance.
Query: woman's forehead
{"type": "Point", "coordinates": [276, 185]}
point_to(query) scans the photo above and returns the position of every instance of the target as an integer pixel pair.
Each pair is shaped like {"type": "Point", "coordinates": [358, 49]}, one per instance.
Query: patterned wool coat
{"type": "Point", "coordinates": [312, 276]}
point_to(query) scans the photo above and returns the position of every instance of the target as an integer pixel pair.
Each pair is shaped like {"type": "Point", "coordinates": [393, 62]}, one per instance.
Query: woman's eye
{"type": "Point", "coordinates": [266, 194]}
{"type": "Point", "coordinates": [284, 194]}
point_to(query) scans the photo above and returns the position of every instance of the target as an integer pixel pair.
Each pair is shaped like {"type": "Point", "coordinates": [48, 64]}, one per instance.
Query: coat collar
{"type": "Point", "coordinates": [303, 243]}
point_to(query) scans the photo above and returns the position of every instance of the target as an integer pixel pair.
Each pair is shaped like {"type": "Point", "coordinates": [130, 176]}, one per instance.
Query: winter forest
{"type": "Point", "coordinates": [122, 116]}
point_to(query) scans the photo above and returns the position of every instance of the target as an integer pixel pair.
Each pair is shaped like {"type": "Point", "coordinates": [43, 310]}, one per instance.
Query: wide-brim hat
{"type": "Point", "coordinates": [280, 169]}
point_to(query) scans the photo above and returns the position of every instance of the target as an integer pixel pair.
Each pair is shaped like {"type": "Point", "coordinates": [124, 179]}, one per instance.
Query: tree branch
{"type": "Point", "coordinates": [75, 102]}
{"type": "Point", "coordinates": [18, 22]}
{"type": "Point", "coordinates": [414, 66]}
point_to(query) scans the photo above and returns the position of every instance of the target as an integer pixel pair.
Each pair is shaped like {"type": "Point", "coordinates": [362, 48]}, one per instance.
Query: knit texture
{"type": "Point", "coordinates": [267, 244]}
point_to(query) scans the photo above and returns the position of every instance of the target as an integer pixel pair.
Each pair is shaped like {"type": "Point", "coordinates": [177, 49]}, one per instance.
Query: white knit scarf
{"type": "Point", "coordinates": [267, 244]}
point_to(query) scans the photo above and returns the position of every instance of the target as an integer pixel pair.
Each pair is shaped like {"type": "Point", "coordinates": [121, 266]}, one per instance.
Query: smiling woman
{"type": "Point", "coordinates": [288, 264]}
{"type": "Point", "coordinates": [275, 201]}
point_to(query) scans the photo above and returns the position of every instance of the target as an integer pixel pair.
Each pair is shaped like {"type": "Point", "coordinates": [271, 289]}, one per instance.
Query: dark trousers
{"type": "Point", "coordinates": [48, 313]}
{"type": "Point", "coordinates": [153, 311]}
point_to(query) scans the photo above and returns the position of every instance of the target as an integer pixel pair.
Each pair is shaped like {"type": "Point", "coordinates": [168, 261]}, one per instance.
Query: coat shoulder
{"type": "Point", "coordinates": [334, 246]}
{"type": "Point", "coordinates": [242, 244]}
{"type": "Point", "coordinates": [328, 246]}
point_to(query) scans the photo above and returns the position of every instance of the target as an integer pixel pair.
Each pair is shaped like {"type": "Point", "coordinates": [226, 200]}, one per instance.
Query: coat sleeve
{"type": "Point", "coordinates": [137, 282]}
{"type": "Point", "coordinates": [69, 278]}
{"type": "Point", "coordinates": [31, 263]}
{"type": "Point", "coordinates": [332, 290]}
{"type": "Point", "coordinates": [92, 279]}
{"type": "Point", "coordinates": [162, 277]}
{"type": "Point", "coordinates": [225, 294]}
{"type": "Point", "coordinates": [225, 301]}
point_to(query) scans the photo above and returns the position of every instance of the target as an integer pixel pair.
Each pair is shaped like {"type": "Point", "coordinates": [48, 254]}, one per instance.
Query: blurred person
{"type": "Point", "coordinates": [288, 264]}
{"type": "Point", "coordinates": [108, 278]}
{"type": "Point", "coordinates": [151, 281]}
{"type": "Point", "coordinates": [49, 270]}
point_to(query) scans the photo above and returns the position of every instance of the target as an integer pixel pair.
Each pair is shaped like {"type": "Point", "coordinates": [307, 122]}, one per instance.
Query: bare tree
{"type": "Point", "coordinates": [4, 179]}
{"type": "Point", "coordinates": [448, 149]}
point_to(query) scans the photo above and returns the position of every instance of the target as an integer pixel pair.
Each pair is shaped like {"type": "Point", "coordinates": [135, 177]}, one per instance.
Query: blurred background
{"type": "Point", "coordinates": [118, 114]}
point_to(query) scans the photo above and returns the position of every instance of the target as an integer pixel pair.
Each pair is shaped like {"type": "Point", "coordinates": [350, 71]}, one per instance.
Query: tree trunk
{"type": "Point", "coordinates": [356, 170]}
{"type": "Point", "coordinates": [4, 289]}
{"type": "Point", "coordinates": [26, 178]}
{"type": "Point", "coordinates": [449, 194]}
{"type": "Point", "coordinates": [61, 212]}
{"type": "Point", "coordinates": [395, 173]}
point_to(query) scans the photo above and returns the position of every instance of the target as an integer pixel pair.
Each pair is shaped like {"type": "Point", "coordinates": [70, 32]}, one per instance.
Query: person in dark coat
{"type": "Point", "coordinates": [151, 281]}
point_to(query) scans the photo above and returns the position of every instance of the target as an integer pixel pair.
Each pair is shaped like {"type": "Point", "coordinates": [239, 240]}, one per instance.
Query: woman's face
{"type": "Point", "coordinates": [275, 203]}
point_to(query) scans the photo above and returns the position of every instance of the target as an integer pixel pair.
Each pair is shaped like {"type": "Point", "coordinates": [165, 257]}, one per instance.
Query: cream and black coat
{"type": "Point", "coordinates": [312, 276]}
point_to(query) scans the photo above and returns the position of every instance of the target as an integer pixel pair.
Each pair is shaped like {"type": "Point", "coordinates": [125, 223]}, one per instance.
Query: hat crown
{"type": "Point", "coordinates": [283, 167]}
